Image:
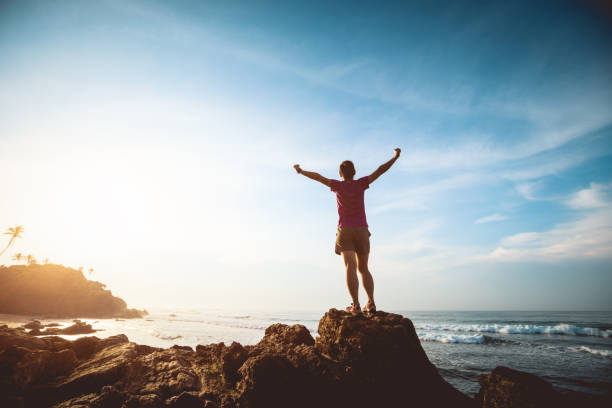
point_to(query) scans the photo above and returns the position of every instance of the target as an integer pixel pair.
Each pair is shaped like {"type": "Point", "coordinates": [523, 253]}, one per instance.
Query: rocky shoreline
{"type": "Point", "coordinates": [357, 361]}
{"type": "Point", "coordinates": [52, 329]}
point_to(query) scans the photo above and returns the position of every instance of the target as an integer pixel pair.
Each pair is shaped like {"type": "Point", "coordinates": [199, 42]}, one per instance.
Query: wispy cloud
{"type": "Point", "coordinates": [422, 196]}
{"type": "Point", "coordinates": [596, 196]}
{"type": "Point", "coordinates": [491, 218]}
{"type": "Point", "coordinates": [587, 236]}
{"type": "Point", "coordinates": [528, 190]}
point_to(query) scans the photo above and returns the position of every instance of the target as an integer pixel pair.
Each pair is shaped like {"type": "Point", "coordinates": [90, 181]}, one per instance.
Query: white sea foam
{"type": "Point", "coordinates": [452, 338]}
{"type": "Point", "coordinates": [598, 352]}
{"type": "Point", "coordinates": [162, 336]}
{"type": "Point", "coordinates": [229, 322]}
{"type": "Point", "coordinates": [563, 328]}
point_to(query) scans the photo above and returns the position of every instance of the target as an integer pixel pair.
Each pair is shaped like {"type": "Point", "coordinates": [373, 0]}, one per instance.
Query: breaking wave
{"type": "Point", "coordinates": [164, 336]}
{"type": "Point", "coordinates": [453, 338]}
{"type": "Point", "coordinates": [598, 352]}
{"type": "Point", "coordinates": [560, 329]}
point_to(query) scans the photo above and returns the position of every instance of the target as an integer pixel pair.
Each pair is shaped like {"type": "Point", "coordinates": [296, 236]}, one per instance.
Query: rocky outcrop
{"type": "Point", "coordinates": [57, 291]}
{"type": "Point", "coordinates": [508, 388]}
{"type": "Point", "coordinates": [51, 329]}
{"type": "Point", "coordinates": [358, 361]}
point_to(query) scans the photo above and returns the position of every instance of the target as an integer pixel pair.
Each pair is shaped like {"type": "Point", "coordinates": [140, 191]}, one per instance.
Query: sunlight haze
{"type": "Point", "coordinates": [154, 142]}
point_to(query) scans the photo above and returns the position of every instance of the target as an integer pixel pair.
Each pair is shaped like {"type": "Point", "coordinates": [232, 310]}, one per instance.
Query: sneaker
{"type": "Point", "coordinates": [353, 308]}
{"type": "Point", "coordinates": [369, 308]}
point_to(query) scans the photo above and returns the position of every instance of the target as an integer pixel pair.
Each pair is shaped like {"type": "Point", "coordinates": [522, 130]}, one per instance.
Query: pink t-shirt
{"type": "Point", "coordinates": [349, 195]}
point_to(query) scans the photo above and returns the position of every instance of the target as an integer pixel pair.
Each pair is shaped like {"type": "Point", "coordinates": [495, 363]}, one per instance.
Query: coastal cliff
{"type": "Point", "coordinates": [58, 291]}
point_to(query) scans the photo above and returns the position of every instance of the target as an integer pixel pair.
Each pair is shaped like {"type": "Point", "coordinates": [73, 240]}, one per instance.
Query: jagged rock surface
{"type": "Point", "coordinates": [358, 361]}
{"type": "Point", "coordinates": [508, 388]}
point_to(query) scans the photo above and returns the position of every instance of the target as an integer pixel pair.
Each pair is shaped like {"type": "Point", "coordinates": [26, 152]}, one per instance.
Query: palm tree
{"type": "Point", "coordinates": [46, 261]}
{"type": "Point", "coordinates": [14, 232]}
{"type": "Point", "coordinates": [31, 260]}
{"type": "Point", "coordinates": [90, 271]}
{"type": "Point", "coordinates": [18, 257]}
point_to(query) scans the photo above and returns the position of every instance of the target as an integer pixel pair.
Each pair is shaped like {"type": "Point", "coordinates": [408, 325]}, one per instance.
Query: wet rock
{"type": "Point", "coordinates": [34, 324]}
{"type": "Point", "coordinates": [506, 387]}
{"type": "Point", "coordinates": [78, 327]}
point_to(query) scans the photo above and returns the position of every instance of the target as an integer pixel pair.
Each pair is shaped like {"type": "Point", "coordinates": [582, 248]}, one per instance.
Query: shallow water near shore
{"type": "Point", "coordinates": [573, 350]}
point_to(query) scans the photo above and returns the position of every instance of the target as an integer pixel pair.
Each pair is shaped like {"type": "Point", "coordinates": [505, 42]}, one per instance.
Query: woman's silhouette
{"type": "Point", "coordinates": [353, 236]}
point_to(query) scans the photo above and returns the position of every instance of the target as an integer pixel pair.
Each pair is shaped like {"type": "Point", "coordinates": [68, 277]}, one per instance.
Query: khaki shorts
{"type": "Point", "coordinates": [353, 239]}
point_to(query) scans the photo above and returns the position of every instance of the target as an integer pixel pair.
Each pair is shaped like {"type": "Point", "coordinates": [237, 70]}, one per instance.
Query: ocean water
{"type": "Point", "coordinates": [572, 350]}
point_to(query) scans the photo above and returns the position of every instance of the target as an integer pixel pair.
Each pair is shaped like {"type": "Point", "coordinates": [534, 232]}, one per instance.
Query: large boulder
{"type": "Point", "coordinates": [506, 387]}
{"type": "Point", "coordinates": [509, 388]}
{"type": "Point", "coordinates": [383, 362]}
{"type": "Point", "coordinates": [358, 361]}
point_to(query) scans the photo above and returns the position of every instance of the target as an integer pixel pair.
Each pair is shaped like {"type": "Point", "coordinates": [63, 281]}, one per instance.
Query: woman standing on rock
{"type": "Point", "coordinates": [353, 236]}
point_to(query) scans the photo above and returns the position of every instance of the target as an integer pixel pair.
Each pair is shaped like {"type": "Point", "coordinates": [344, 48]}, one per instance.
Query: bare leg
{"type": "Point", "coordinates": [366, 277]}
{"type": "Point", "coordinates": [351, 275]}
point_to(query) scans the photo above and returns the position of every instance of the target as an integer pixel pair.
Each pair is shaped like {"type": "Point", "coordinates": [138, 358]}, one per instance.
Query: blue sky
{"type": "Point", "coordinates": [153, 141]}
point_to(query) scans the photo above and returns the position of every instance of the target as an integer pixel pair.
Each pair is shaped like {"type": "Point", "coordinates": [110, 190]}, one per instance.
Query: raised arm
{"type": "Point", "coordinates": [384, 167]}
{"type": "Point", "coordinates": [312, 175]}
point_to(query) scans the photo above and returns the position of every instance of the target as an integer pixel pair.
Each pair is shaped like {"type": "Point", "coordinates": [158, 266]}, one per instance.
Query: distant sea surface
{"type": "Point", "coordinates": [572, 350]}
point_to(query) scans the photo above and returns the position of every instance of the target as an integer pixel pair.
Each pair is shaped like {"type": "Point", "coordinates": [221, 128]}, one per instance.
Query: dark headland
{"type": "Point", "coordinates": [59, 292]}
{"type": "Point", "coordinates": [357, 361]}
